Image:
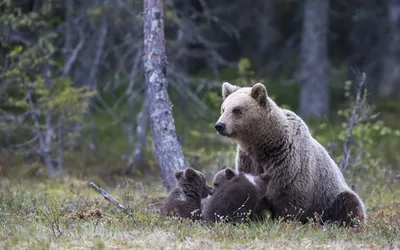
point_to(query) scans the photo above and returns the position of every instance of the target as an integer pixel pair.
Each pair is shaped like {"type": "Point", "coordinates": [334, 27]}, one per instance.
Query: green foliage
{"type": "Point", "coordinates": [213, 100]}
{"type": "Point", "coordinates": [36, 89]}
{"type": "Point", "coordinates": [246, 74]}
{"type": "Point", "coordinates": [283, 95]}
{"type": "Point", "coordinates": [50, 213]}
{"type": "Point", "coordinates": [14, 17]}
{"type": "Point", "coordinates": [366, 162]}
{"type": "Point", "coordinates": [62, 97]}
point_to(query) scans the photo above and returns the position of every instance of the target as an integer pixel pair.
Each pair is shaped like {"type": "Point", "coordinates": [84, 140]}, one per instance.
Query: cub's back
{"type": "Point", "coordinates": [233, 199]}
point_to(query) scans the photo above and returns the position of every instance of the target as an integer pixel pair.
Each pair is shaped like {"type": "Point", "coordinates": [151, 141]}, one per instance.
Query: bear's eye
{"type": "Point", "coordinates": [237, 111]}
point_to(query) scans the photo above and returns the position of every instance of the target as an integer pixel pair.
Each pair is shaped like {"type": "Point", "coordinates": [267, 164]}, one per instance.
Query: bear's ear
{"type": "Point", "coordinates": [178, 174]}
{"type": "Point", "coordinates": [228, 89]}
{"type": "Point", "coordinates": [223, 167]}
{"type": "Point", "coordinates": [259, 93]}
{"type": "Point", "coordinates": [229, 173]}
{"type": "Point", "coordinates": [190, 173]}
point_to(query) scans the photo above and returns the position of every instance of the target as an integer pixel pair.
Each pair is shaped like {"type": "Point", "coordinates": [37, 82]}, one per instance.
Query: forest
{"type": "Point", "coordinates": [104, 92]}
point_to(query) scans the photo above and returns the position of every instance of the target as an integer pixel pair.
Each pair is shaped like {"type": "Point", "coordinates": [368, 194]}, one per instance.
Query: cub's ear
{"type": "Point", "coordinates": [178, 174]}
{"type": "Point", "coordinates": [229, 173]}
{"type": "Point", "coordinates": [190, 173]}
{"type": "Point", "coordinates": [228, 89]}
{"type": "Point", "coordinates": [259, 93]}
{"type": "Point", "coordinates": [223, 167]}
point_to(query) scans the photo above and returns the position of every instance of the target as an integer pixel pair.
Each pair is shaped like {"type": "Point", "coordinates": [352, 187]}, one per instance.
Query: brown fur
{"type": "Point", "coordinates": [185, 200]}
{"type": "Point", "coordinates": [345, 209]}
{"type": "Point", "coordinates": [234, 197]}
{"type": "Point", "coordinates": [304, 178]}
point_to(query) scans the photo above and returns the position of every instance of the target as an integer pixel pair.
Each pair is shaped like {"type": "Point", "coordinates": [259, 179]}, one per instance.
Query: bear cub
{"type": "Point", "coordinates": [185, 200]}
{"type": "Point", "coordinates": [234, 196]}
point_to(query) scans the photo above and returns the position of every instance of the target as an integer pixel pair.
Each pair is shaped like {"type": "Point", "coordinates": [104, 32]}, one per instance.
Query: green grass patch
{"type": "Point", "coordinates": [49, 214]}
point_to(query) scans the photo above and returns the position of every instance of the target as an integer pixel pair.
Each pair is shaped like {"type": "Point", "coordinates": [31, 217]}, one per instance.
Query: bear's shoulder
{"type": "Point", "coordinates": [296, 123]}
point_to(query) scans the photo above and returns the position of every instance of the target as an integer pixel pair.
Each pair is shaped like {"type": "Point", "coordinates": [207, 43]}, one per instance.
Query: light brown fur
{"type": "Point", "coordinates": [304, 178]}
{"type": "Point", "coordinates": [185, 200]}
{"type": "Point", "coordinates": [234, 197]}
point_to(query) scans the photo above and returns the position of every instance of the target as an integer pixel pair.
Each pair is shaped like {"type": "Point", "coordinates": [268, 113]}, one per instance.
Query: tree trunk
{"type": "Point", "coordinates": [314, 94]}
{"type": "Point", "coordinates": [266, 32]}
{"type": "Point", "coordinates": [390, 84]}
{"type": "Point", "coordinates": [167, 148]}
{"type": "Point", "coordinates": [44, 142]}
{"type": "Point", "coordinates": [48, 130]}
{"type": "Point", "coordinates": [60, 144]}
{"type": "Point", "coordinates": [142, 121]}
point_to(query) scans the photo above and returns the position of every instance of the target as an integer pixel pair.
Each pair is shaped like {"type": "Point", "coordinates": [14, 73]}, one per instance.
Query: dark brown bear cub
{"type": "Point", "coordinates": [234, 197]}
{"type": "Point", "coordinates": [185, 200]}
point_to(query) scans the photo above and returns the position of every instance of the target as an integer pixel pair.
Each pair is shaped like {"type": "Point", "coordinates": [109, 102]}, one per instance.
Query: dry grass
{"type": "Point", "coordinates": [43, 215]}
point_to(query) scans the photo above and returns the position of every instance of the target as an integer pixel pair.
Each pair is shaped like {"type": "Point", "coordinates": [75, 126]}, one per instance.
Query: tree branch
{"type": "Point", "coordinates": [346, 156]}
{"type": "Point", "coordinates": [74, 54]}
{"type": "Point", "coordinates": [106, 195]}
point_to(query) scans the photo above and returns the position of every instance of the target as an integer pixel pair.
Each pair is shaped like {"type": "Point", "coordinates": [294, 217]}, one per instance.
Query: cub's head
{"type": "Point", "coordinates": [241, 110]}
{"type": "Point", "coordinates": [193, 179]}
{"type": "Point", "coordinates": [222, 177]}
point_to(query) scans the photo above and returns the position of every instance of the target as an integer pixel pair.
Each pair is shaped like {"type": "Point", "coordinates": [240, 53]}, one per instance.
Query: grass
{"type": "Point", "coordinates": [67, 214]}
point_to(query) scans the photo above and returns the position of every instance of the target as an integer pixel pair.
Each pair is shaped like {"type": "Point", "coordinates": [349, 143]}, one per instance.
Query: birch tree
{"type": "Point", "coordinates": [168, 151]}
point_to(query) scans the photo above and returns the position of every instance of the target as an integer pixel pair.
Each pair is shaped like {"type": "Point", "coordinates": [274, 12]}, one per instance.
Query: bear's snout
{"type": "Point", "coordinates": [219, 126]}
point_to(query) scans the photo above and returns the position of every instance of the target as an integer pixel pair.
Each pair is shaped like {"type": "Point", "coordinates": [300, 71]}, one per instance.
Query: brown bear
{"type": "Point", "coordinates": [234, 197]}
{"type": "Point", "coordinates": [304, 179]}
{"type": "Point", "coordinates": [185, 200]}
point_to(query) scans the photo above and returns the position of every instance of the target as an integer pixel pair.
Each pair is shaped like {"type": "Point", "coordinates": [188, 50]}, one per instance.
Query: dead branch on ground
{"type": "Point", "coordinates": [106, 195]}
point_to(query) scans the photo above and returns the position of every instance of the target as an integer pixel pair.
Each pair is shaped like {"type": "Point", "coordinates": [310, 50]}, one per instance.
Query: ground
{"type": "Point", "coordinates": [68, 214]}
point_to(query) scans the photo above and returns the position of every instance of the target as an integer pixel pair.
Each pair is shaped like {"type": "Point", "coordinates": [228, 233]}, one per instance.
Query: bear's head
{"type": "Point", "coordinates": [222, 177]}
{"type": "Point", "coordinates": [193, 179]}
{"type": "Point", "coordinates": [241, 111]}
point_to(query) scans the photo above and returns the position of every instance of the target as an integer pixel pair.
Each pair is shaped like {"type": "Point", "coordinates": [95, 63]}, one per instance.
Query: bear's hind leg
{"type": "Point", "coordinates": [347, 209]}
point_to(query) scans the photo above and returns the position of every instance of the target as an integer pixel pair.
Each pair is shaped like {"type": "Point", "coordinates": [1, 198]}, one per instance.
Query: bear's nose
{"type": "Point", "coordinates": [219, 126]}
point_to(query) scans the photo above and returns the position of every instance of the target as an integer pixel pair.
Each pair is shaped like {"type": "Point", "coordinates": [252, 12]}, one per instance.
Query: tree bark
{"type": "Point", "coordinates": [314, 94]}
{"type": "Point", "coordinates": [48, 130]}
{"type": "Point", "coordinates": [44, 147]}
{"type": "Point", "coordinates": [390, 84]}
{"type": "Point", "coordinates": [167, 148]}
{"type": "Point", "coordinates": [60, 144]}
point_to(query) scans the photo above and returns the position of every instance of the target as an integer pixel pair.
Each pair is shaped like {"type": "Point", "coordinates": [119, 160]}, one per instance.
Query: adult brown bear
{"type": "Point", "coordinates": [304, 178]}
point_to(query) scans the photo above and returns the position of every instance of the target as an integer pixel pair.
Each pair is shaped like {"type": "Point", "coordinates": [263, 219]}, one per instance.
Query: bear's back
{"type": "Point", "coordinates": [321, 169]}
{"type": "Point", "coordinates": [178, 204]}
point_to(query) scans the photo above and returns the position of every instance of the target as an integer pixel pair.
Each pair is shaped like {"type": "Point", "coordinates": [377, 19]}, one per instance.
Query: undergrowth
{"type": "Point", "coordinates": [70, 215]}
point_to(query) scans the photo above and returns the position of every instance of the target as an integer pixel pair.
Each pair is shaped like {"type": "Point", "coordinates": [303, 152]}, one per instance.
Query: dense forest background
{"type": "Point", "coordinates": [72, 83]}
